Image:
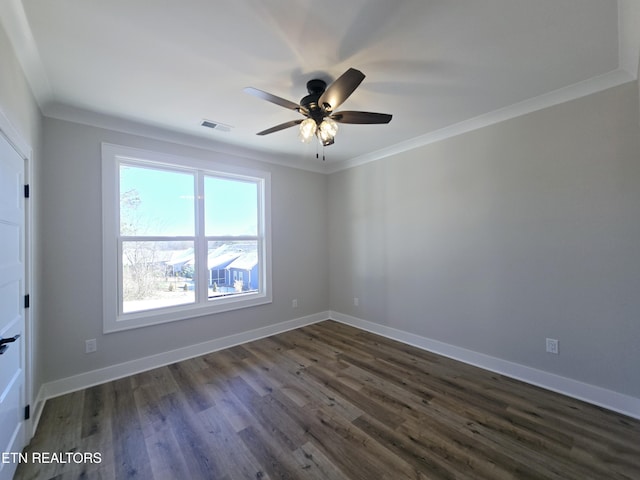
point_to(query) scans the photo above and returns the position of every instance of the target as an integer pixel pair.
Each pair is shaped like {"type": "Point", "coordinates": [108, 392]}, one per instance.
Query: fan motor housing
{"type": "Point", "coordinates": [316, 88]}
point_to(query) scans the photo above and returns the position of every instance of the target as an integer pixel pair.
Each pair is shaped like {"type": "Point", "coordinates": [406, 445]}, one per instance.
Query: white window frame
{"type": "Point", "coordinates": [113, 318]}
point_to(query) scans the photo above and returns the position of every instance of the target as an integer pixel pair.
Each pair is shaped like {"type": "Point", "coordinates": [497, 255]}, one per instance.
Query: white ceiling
{"type": "Point", "coordinates": [439, 66]}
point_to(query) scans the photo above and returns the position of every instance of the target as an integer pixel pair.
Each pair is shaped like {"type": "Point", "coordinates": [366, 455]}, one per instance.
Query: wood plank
{"type": "Point", "coordinates": [201, 460]}
{"type": "Point", "coordinates": [235, 460]}
{"type": "Point", "coordinates": [315, 464]}
{"type": "Point", "coordinates": [130, 454]}
{"type": "Point", "coordinates": [165, 454]}
{"type": "Point", "coordinates": [329, 401]}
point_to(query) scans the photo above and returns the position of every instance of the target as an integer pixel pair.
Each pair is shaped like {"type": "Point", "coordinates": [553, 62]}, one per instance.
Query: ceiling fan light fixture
{"type": "Point", "coordinates": [308, 129]}
{"type": "Point", "coordinates": [318, 108]}
{"type": "Point", "coordinates": [327, 131]}
{"type": "Point", "coordinates": [327, 141]}
{"type": "Point", "coordinates": [328, 127]}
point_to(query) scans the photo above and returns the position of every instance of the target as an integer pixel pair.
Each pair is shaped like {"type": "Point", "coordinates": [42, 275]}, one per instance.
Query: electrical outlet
{"type": "Point", "coordinates": [90, 346]}
{"type": "Point", "coordinates": [294, 303]}
{"type": "Point", "coordinates": [552, 346]}
{"type": "Point", "coordinates": [356, 301]}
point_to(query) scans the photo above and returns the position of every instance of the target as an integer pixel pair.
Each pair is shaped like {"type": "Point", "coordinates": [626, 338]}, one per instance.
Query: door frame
{"type": "Point", "coordinates": [23, 148]}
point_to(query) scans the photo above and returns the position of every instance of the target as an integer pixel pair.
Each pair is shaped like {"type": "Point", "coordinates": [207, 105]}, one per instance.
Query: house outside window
{"type": "Point", "coordinates": [181, 237]}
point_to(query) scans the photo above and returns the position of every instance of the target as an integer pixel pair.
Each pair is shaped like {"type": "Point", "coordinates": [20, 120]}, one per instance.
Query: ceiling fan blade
{"type": "Point", "coordinates": [282, 126]}
{"type": "Point", "coordinates": [272, 98]}
{"type": "Point", "coordinates": [361, 117]}
{"type": "Point", "coordinates": [339, 91]}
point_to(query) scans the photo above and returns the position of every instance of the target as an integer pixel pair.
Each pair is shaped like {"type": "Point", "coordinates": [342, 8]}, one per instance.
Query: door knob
{"type": "Point", "coordinates": [4, 341]}
{"type": "Point", "coordinates": [9, 340]}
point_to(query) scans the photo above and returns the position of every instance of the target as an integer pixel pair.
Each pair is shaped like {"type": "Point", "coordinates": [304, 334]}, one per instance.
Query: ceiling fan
{"type": "Point", "coordinates": [319, 107]}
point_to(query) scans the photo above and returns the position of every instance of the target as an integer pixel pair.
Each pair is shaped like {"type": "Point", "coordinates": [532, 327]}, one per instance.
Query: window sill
{"type": "Point", "coordinates": [148, 318]}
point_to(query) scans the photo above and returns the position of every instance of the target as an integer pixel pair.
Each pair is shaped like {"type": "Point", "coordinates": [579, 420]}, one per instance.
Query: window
{"type": "Point", "coordinates": [181, 238]}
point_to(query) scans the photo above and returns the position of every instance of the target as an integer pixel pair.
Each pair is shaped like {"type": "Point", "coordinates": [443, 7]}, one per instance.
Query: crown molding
{"type": "Point", "coordinates": [562, 95]}
{"type": "Point", "coordinates": [101, 120]}
{"type": "Point", "coordinates": [14, 21]}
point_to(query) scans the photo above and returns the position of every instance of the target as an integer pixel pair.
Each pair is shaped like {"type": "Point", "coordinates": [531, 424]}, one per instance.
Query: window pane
{"type": "Point", "coordinates": [231, 207]}
{"type": "Point", "coordinates": [233, 268]}
{"type": "Point", "coordinates": [157, 274]}
{"type": "Point", "coordinates": [156, 202]}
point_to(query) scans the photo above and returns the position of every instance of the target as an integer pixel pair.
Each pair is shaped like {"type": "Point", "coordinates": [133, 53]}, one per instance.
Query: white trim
{"type": "Point", "coordinates": [14, 137]}
{"type": "Point", "coordinates": [113, 319]}
{"type": "Point", "coordinates": [595, 395]}
{"type": "Point", "coordinates": [22, 147]}
{"type": "Point", "coordinates": [210, 144]}
{"type": "Point", "coordinates": [562, 95]}
{"type": "Point", "coordinates": [132, 367]}
{"type": "Point", "coordinates": [37, 408]}
{"type": "Point", "coordinates": [15, 23]}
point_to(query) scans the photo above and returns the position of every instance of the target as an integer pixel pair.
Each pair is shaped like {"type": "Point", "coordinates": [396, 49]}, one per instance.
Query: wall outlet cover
{"type": "Point", "coordinates": [552, 346]}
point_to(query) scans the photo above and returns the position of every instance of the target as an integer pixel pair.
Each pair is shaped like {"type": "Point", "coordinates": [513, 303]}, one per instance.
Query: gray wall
{"type": "Point", "coordinates": [71, 235]}
{"type": "Point", "coordinates": [498, 238]}
{"type": "Point", "coordinates": [491, 241]}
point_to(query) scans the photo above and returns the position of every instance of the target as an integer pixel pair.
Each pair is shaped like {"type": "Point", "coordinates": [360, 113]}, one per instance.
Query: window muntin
{"type": "Point", "coordinates": [187, 238]}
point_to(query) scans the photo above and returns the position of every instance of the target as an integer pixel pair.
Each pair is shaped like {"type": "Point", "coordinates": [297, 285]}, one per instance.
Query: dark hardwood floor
{"type": "Point", "coordinates": [329, 401]}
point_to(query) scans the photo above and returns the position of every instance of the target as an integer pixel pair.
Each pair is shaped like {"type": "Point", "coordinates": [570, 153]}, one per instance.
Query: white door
{"type": "Point", "coordinates": [12, 289]}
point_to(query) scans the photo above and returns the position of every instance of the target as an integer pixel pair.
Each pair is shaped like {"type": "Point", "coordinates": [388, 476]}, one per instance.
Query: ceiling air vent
{"type": "Point", "coordinates": [216, 125]}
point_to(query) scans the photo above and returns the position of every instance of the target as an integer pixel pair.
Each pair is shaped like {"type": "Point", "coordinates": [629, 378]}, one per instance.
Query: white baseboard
{"type": "Point", "coordinates": [611, 400]}
{"type": "Point", "coordinates": [599, 396]}
{"type": "Point", "coordinates": [114, 372]}
{"type": "Point", "coordinates": [36, 411]}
